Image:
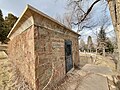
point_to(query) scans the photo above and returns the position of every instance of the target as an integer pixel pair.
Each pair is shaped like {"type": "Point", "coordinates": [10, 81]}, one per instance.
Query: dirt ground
{"type": "Point", "coordinates": [97, 75]}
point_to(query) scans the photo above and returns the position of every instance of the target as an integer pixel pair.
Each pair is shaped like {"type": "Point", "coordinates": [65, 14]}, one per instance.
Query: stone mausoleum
{"type": "Point", "coordinates": [42, 49]}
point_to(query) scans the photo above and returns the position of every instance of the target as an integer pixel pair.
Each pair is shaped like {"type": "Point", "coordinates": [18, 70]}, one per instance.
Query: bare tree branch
{"type": "Point", "coordinates": [86, 14]}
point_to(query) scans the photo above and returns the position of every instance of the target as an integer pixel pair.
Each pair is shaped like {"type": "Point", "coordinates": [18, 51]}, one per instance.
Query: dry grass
{"type": "Point", "coordinates": [10, 76]}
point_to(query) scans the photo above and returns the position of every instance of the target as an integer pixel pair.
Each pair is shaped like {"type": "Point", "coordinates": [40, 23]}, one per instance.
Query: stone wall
{"type": "Point", "coordinates": [37, 49]}
{"type": "Point", "coordinates": [21, 54]}
{"type": "Point", "coordinates": [50, 52]}
{"type": "Point", "coordinates": [39, 53]}
{"type": "Point", "coordinates": [92, 58]}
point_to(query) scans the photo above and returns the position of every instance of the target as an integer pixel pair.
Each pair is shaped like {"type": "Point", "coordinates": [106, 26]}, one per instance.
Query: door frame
{"type": "Point", "coordinates": [68, 41]}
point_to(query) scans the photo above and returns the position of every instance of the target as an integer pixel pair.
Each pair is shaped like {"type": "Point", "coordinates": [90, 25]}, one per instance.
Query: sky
{"type": "Point", "coordinates": [53, 8]}
{"type": "Point", "coordinates": [100, 14]}
{"type": "Point", "coordinates": [50, 7]}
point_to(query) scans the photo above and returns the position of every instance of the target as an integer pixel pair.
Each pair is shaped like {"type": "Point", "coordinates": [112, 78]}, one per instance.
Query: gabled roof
{"type": "Point", "coordinates": [26, 14]}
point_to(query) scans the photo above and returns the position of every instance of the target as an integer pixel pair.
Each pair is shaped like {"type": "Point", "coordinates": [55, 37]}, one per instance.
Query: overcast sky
{"type": "Point", "coordinates": [50, 7]}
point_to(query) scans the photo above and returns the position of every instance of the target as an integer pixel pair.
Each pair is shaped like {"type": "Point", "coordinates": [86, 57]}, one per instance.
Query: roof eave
{"type": "Point", "coordinates": [13, 29]}
{"type": "Point", "coordinates": [41, 13]}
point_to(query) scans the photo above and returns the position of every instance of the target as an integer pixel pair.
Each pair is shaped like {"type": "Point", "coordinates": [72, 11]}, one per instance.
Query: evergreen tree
{"type": "Point", "coordinates": [90, 45]}
{"type": "Point", "coordinates": [1, 25]}
{"type": "Point", "coordinates": [7, 26]}
{"type": "Point", "coordinates": [109, 46]}
{"type": "Point", "coordinates": [101, 36]}
{"type": "Point", "coordinates": [101, 39]}
{"type": "Point", "coordinates": [10, 21]}
{"type": "Point", "coordinates": [1, 18]}
{"type": "Point", "coordinates": [104, 43]}
{"type": "Point", "coordinates": [82, 46]}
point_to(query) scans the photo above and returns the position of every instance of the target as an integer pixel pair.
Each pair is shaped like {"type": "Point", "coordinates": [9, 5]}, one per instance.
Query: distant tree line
{"type": "Point", "coordinates": [104, 44]}
{"type": "Point", "coordinates": [6, 25]}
